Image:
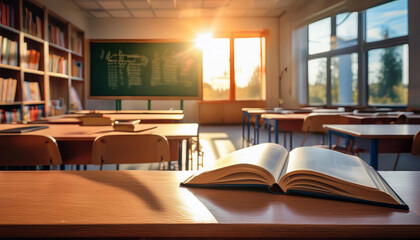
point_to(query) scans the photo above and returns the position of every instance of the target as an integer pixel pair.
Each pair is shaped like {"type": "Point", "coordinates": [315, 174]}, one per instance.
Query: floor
{"type": "Point", "coordinates": [219, 140]}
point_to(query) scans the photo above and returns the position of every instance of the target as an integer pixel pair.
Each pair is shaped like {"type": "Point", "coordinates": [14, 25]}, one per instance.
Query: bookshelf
{"type": "Point", "coordinates": [42, 62]}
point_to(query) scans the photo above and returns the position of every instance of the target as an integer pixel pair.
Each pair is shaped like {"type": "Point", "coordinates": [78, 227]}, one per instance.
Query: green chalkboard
{"type": "Point", "coordinates": [145, 70]}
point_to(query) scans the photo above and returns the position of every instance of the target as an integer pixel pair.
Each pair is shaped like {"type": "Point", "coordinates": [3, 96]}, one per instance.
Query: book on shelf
{"type": "Point", "coordinates": [4, 87]}
{"type": "Point", "coordinates": [75, 103]}
{"type": "Point", "coordinates": [7, 89]}
{"type": "Point", "coordinates": [32, 23]}
{"type": "Point", "coordinates": [32, 91]}
{"type": "Point", "coordinates": [32, 113]}
{"type": "Point", "coordinates": [77, 68]}
{"type": "Point", "coordinates": [58, 64]}
{"type": "Point", "coordinates": [7, 14]}
{"type": "Point", "coordinates": [9, 51]}
{"type": "Point", "coordinates": [308, 171]}
{"type": "Point", "coordinates": [56, 35]}
{"type": "Point", "coordinates": [10, 116]}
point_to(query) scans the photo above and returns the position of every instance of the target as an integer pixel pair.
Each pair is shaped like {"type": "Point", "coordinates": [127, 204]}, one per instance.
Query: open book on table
{"type": "Point", "coordinates": [304, 171]}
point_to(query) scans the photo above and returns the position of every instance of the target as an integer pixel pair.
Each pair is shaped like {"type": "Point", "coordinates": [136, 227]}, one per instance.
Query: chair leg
{"type": "Point", "coordinates": [304, 138]}
{"type": "Point", "coordinates": [396, 161]}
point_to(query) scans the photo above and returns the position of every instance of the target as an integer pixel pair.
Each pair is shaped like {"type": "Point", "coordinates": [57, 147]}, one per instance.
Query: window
{"type": "Point", "coordinates": [344, 71]}
{"type": "Point", "coordinates": [317, 78]}
{"type": "Point", "coordinates": [320, 36]}
{"type": "Point", "coordinates": [387, 79]}
{"type": "Point", "coordinates": [233, 69]}
{"type": "Point", "coordinates": [345, 68]}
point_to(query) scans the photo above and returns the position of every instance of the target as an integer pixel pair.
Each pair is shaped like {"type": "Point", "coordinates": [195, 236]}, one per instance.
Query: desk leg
{"type": "Point", "coordinates": [291, 140]}
{"type": "Point", "coordinates": [329, 139]}
{"type": "Point", "coordinates": [257, 129]}
{"type": "Point", "coordinates": [187, 154]}
{"type": "Point", "coordinates": [285, 139]}
{"type": "Point", "coordinates": [248, 129]}
{"type": "Point", "coordinates": [269, 130]}
{"type": "Point", "coordinates": [244, 116]}
{"type": "Point", "coordinates": [276, 131]}
{"type": "Point", "coordinates": [180, 168]}
{"type": "Point", "coordinates": [374, 153]}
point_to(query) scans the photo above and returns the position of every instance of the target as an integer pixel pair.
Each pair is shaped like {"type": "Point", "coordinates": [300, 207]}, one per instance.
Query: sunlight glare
{"type": "Point", "coordinates": [203, 40]}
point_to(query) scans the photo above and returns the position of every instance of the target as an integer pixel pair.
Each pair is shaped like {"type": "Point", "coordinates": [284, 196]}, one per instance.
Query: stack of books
{"type": "Point", "coordinates": [96, 119]}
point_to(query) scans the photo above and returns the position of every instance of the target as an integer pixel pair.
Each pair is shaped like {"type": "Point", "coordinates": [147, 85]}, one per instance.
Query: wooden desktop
{"type": "Point", "coordinates": [152, 204]}
{"type": "Point", "coordinates": [75, 141]}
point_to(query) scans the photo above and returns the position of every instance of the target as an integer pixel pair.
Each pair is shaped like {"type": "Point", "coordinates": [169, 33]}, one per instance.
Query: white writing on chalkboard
{"type": "Point", "coordinates": [171, 69]}
{"type": "Point", "coordinates": [124, 67]}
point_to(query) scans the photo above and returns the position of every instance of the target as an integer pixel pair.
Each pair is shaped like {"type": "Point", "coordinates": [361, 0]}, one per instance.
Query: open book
{"type": "Point", "coordinates": [304, 171]}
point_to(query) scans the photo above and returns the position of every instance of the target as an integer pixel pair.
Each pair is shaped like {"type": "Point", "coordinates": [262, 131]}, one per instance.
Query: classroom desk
{"type": "Point", "coordinates": [400, 135]}
{"type": "Point", "coordinates": [370, 118]}
{"type": "Point", "coordinates": [75, 141]}
{"type": "Point", "coordinates": [130, 111]}
{"type": "Point", "coordinates": [286, 123]}
{"type": "Point", "coordinates": [152, 204]}
{"type": "Point", "coordinates": [247, 115]}
{"type": "Point", "coordinates": [145, 118]}
{"type": "Point", "coordinates": [380, 118]}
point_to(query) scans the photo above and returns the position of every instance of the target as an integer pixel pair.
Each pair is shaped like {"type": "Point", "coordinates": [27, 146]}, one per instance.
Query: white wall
{"type": "Point", "coordinates": [69, 11]}
{"type": "Point", "coordinates": [185, 29]}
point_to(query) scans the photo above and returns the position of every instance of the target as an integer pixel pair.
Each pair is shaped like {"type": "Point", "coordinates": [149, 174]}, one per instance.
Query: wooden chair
{"type": "Point", "coordinates": [28, 150]}
{"type": "Point", "coordinates": [130, 148]}
{"type": "Point", "coordinates": [415, 149]}
{"type": "Point", "coordinates": [314, 122]}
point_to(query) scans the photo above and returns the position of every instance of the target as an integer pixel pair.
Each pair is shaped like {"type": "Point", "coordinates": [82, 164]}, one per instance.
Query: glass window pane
{"type": "Point", "coordinates": [387, 21]}
{"type": "Point", "coordinates": [317, 79]}
{"type": "Point", "coordinates": [319, 34]}
{"type": "Point", "coordinates": [388, 75]}
{"type": "Point", "coordinates": [344, 70]}
{"type": "Point", "coordinates": [247, 68]}
{"type": "Point", "coordinates": [216, 73]}
{"type": "Point", "coordinates": [346, 27]}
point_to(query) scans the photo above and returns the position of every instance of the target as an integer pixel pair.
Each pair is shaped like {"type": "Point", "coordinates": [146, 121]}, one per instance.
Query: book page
{"type": "Point", "coordinates": [263, 161]}
{"type": "Point", "coordinates": [269, 156]}
{"type": "Point", "coordinates": [335, 164]}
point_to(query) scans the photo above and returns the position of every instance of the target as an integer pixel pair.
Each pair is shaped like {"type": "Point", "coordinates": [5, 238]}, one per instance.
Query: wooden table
{"type": "Point", "coordinates": [130, 111]}
{"type": "Point", "coordinates": [247, 115]}
{"type": "Point", "coordinates": [152, 204]}
{"type": "Point", "coordinates": [380, 118]}
{"type": "Point", "coordinates": [144, 117]}
{"type": "Point", "coordinates": [285, 123]}
{"type": "Point", "coordinates": [75, 141]}
{"type": "Point", "coordinates": [400, 134]}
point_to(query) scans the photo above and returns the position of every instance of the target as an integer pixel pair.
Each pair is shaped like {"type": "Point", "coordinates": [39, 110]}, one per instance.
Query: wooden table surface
{"type": "Point", "coordinates": [144, 117]}
{"type": "Point", "coordinates": [400, 131]}
{"type": "Point", "coordinates": [152, 204]}
{"type": "Point", "coordinates": [71, 132]}
{"type": "Point", "coordinates": [131, 111]}
{"type": "Point", "coordinates": [75, 141]}
{"type": "Point", "coordinates": [384, 138]}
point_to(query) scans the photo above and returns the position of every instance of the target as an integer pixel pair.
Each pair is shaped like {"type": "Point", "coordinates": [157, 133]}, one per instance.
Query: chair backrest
{"type": "Point", "coordinates": [130, 148]}
{"type": "Point", "coordinates": [28, 150]}
{"type": "Point", "coordinates": [415, 147]}
{"type": "Point", "coordinates": [314, 121]}
{"type": "Point", "coordinates": [401, 119]}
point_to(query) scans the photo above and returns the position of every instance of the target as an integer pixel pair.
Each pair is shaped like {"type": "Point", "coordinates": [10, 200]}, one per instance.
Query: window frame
{"type": "Point", "coordinates": [232, 87]}
{"type": "Point", "coordinates": [362, 48]}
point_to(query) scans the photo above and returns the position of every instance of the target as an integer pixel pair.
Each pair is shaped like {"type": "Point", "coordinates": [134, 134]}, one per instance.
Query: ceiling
{"type": "Point", "coordinates": [182, 8]}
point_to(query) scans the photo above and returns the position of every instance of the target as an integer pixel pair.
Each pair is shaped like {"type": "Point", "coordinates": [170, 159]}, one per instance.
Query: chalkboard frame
{"type": "Point", "coordinates": [199, 90]}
